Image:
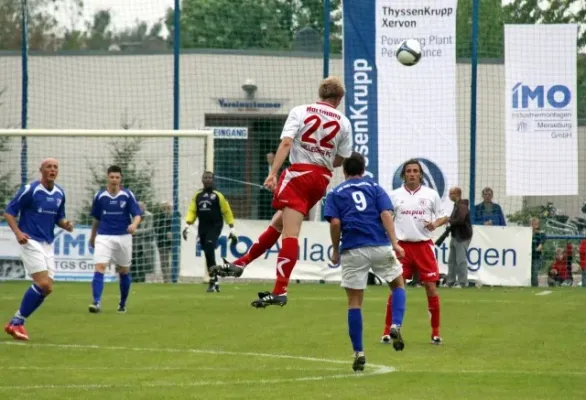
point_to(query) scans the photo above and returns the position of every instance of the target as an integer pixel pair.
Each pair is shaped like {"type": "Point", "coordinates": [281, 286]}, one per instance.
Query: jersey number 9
{"type": "Point", "coordinates": [359, 200]}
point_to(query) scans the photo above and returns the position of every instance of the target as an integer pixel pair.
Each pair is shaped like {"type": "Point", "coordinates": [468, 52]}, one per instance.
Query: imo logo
{"type": "Point", "coordinates": [433, 176]}
{"type": "Point", "coordinates": [525, 96]}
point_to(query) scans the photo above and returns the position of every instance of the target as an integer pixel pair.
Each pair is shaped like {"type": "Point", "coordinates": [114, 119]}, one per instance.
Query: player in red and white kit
{"type": "Point", "coordinates": [418, 211]}
{"type": "Point", "coordinates": [317, 138]}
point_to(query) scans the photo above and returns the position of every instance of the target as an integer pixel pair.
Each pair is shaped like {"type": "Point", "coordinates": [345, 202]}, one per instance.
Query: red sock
{"type": "Point", "coordinates": [265, 241]}
{"type": "Point", "coordinates": [433, 305]}
{"type": "Point", "coordinates": [389, 315]}
{"type": "Point", "coordinates": [285, 264]}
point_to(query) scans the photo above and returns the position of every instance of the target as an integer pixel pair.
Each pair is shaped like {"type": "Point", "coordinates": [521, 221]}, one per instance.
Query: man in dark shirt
{"type": "Point", "coordinates": [461, 235]}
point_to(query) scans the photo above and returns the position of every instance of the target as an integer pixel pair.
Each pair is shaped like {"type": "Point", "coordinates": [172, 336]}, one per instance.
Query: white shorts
{"type": "Point", "coordinates": [356, 263]}
{"type": "Point", "coordinates": [38, 257]}
{"type": "Point", "coordinates": [115, 249]}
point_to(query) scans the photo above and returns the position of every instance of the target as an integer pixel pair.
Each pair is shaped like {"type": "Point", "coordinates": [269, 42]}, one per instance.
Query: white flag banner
{"type": "Point", "coordinates": [401, 112]}
{"type": "Point", "coordinates": [541, 110]}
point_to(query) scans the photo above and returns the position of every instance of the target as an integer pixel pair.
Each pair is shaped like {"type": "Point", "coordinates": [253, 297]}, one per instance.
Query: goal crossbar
{"type": "Point", "coordinates": [206, 134]}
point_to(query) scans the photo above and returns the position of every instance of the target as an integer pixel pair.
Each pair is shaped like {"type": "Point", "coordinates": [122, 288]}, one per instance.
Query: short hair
{"type": "Point", "coordinates": [487, 189]}
{"type": "Point", "coordinates": [331, 88]}
{"type": "Point", "coordinates": [411, 162]}
{"type": "Point", "coordinates": [354, 165]}
{"type": "Point", "coordinates": [207, 173]}
{"type": "Point", "coordinates": [114, 168]}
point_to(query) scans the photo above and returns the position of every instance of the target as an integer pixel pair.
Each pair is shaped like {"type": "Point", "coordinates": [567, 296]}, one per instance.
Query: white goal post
{"type": "Point", "coordinates": [206, 134]}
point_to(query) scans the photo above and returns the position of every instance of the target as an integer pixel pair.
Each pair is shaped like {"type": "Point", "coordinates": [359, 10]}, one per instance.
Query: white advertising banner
{"type": "Point", "coordinates": [541, 110]}
{"type": "Point", "coordinates": [401, 112]}
{"type": "Point", "coordinates": [499, 256]}
{"type": "Point", "coordinates": [73, 256]}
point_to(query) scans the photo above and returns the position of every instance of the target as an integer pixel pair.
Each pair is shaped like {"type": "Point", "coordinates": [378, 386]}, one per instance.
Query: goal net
{"type": "Point", "coordinates": [162, 172]}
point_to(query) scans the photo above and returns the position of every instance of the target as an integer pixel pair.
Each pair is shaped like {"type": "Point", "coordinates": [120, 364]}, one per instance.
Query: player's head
{"type": "Point", "coordinates": [354, 165]}
{"type": "Point", "coordinates": [487, 195]}
{"type": "Point", "coordinates": [331, 91]}
{"type": "Point", "coordinates": [49, 170]}
{"type": "Point", "coordinates": [114, 176]}
{"type": "Point", "coordinates": [412, 172]}
{"type": "Point", "coordinates": [455, 193]}
{"type": "Point", "coordinates": [207, 179]}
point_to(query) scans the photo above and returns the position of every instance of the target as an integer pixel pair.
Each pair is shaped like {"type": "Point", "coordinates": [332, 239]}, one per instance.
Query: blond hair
{"type": "Point", "coordinates": [331, 88]}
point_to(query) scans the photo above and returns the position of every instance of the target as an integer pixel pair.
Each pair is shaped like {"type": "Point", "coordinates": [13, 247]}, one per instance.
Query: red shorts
{"type": "Point", "coordinates": [301, 186]}
{"type": "Point", "coordinates": [420, 256]}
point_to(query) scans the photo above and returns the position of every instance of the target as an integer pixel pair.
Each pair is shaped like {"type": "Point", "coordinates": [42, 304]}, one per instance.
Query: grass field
{"type": "Point", "coordinates": [178, 342]}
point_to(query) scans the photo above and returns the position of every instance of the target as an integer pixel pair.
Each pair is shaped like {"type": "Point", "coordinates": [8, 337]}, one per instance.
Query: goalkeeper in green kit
{"type": "Point", "coordinates": [212, 209]}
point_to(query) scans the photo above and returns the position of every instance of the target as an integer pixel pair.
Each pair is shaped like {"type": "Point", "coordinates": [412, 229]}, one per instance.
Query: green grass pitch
{"type": "Point", "coordinates": [178, 342]}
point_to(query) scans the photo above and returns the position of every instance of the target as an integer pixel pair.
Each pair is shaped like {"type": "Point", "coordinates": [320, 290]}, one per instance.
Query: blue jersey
{"type": "Point", "coordinates": [40, 210]}
{"type": "Point", "coordinates": [115, 212]}
{"type": "Point", "coordinates": [358, 203]}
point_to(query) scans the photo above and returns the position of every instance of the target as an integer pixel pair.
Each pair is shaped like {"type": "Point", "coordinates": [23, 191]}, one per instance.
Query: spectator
{"type": "Point", "coordinates": [164, 235]}
{"type": "Point", "coordinates": [558, 272]}
{"type": "Point", "coordinates": [461, 235]}
{"type": "Point", "coordinates": [487, 212]}
{"type": "Point", "coordinates": [536, 250]}
{"type": "Point", "coordinates": [143, 247]}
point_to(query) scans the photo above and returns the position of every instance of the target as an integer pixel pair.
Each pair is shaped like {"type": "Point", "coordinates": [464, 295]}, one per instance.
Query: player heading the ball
{"type": "Point", "coordinates": [116, 217]}
{"type": "Point", "coordinates": [317, 138]}
{"type": "Point", "coordinates": [360, 215]}
{"type": "Point", "coordinates": [41, 206]}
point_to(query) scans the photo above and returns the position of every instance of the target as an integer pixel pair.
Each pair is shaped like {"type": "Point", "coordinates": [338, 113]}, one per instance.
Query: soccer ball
{"type": "Point", "coordinates": [409, 52]}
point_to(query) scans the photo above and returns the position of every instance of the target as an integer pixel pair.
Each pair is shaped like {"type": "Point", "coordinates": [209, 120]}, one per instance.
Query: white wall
{"type": "Point", "coordinates": [98, 91]}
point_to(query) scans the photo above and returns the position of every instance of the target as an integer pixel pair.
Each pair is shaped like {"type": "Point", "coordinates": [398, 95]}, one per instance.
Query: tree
{"type": "Point", "coordinates": [247, 24]}
{"type": "Point", "coordinates": [491, 31]}
{"type": "Point", "coordinates": [137, 175]}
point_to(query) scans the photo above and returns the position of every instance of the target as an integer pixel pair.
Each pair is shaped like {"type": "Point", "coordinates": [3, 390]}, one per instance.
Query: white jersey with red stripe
{"type": "Point", "coordinates": [319, 133]}
{"type": "Point", "coordinates": [413, 210]}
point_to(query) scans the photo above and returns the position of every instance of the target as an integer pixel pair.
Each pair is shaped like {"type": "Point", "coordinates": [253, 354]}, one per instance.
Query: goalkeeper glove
{"type": "Point", "coordinates": [184, 233]}
{"type": "Point", "coordinates": [232, 236]}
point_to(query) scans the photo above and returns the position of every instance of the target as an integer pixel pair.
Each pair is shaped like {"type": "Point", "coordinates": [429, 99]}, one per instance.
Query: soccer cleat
{"type": "Point", "coordinates": [269, 299]}
{"type": "Point", "coordinates": [16, 331]}
{"type": "Point", "coordinates": [94, 308]}
{"type": "Point", "coordinates": [398, 343]}
{"type": "Point", "coordinates": [436, 340]}
{"type": "Point", "coordinates": [359, 362]}
{"type": "Point", "coordinates": [121, 309]}
{"type": "Point", "coordinates": [385, 339]}
{"type": "Point", "coordinates": [227, 269]}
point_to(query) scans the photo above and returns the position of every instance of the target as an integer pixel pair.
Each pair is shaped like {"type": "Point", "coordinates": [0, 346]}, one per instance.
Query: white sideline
{"type": "Point", "coordinates": [544, 293]}
{"type": "Point", "coordinates": [371, 369]}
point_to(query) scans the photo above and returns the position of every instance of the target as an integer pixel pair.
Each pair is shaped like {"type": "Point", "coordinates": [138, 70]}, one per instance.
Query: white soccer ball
{"type": "Point", "coordinates": [409, 52]}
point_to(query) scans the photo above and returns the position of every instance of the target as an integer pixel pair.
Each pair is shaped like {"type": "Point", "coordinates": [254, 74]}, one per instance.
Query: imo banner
{"type": "Point", "coordinates": [400, 112]}
{"type": "Point", "coordinates": [541, 110]}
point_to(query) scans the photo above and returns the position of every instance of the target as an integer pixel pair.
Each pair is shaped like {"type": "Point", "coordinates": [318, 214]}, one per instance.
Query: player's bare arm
{"type": "Point", "coordinates": [436, 224]}
{"type": "Point", "coordinates": [389, 224]}
{"type": "Point", "coordinates": [21, 237]}
{"type": "Point", "coordinates": [335, 235]}
{"type": "Point", "coordinates": [94, 231]}
{"type": "Point", "coordinates": [338, 161]}
{"type": "Point", "coordinates": [280, 157]}
{"type": "Point", "coordinates": [134, 225]}
{"type": "Point", "coordinates": [66, 225]}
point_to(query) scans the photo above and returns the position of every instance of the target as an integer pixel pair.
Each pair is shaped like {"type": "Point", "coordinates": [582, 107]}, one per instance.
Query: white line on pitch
{"type": "Point", "coordinates": [544, 293]}
{"type": "Point", "coordinates": [158, 368]}
{"type": "Point", "coordinates": [372, 369]}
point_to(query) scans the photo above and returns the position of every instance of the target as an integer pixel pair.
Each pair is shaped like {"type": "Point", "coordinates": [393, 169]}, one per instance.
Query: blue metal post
{"type": "Point", "coordinates": [176, 215]}
{"type": "Point", "coordinates": [473, 95]}
{"type": "Point", "coordinates": [24, 97]}
{"type": "Point", "coordinates": [327, 10]}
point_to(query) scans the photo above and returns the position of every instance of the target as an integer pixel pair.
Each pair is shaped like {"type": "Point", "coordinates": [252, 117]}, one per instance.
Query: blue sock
{"type": "Point", "coordinates": [97, 287]}
{"type": "Point", "coordinates": [399, 296]}
{"type": "Point", "coordinates": [355, 328]}
{"type": "Point", "coordinates": [124, 288]}
{"type": "Point", "coordinates": [31, 300]}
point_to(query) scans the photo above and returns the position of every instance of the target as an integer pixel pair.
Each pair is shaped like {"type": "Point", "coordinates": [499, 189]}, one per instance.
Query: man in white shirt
{"type": "Point", "coordinates": [418, 212]}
